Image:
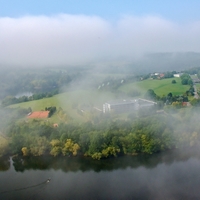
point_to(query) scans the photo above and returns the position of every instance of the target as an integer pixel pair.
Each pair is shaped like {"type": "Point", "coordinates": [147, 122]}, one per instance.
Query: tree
{"type": "Point", "coordinates": [56, 147]}
{"type": "Point", "coordinates": [184, 81]}
{"type": "Point", "coordinates": [110, 151]}
{"type": "Point", "coordinates": [40, 146]}
{"type": "Point", "coordinates": [190, 82]}
{"type": "Point", "coordinates": [70, 148]}
{"type": "Point", "coordinates": [9, 100]}
{"type": "Point", "coordinates": [55, 151]}
{"type": "Point", "coordinates": [173, 81]}
{"type": "Point", "coordinates": [4, 146]}
{"type": "Point", "coordinates": [25, 151]}
{"type": "Point", "coordinates": [177, 104]}
{"type": "Point", "coordinates": [169, 95]}
{"type": "Point", "coordinates": [150, 94]}
{"type": "Point", "coordinates": [168, 74]}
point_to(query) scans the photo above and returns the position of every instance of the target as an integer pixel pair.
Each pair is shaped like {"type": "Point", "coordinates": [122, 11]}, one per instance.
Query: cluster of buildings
{"type": "Point", "coordinates": [126, 105]}
{"type": "Point", "coordinates": [162, 75]}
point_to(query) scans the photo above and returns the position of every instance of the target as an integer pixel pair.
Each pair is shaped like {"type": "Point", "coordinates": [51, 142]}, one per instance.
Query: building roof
{"type": "Point", "coordinates": [121, 102]}
{"type": "Point", "coordinates": [39, 114]}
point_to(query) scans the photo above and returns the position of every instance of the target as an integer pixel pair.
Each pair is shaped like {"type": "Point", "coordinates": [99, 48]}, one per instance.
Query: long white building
{"type": "Point", "coordinates": [126, 105]}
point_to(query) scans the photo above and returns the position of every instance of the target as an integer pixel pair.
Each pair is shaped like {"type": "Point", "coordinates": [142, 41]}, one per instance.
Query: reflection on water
{"type": "Point", "coordinates": [169, 175]}
{"type": "Point", "coordinates": [4, 164]}
{"type": "Point", "coordinates": [74, 164]}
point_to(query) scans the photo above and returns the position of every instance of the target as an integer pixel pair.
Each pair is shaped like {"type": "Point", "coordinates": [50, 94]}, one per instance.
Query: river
{"type": "Point", "coordinates": [168, 176]}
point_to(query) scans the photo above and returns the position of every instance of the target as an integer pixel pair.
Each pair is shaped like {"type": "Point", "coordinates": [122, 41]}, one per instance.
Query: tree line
{"type": "Point", "coordinates": [40, 82]}
{"type": "Point", "coordinates": [9, 100]}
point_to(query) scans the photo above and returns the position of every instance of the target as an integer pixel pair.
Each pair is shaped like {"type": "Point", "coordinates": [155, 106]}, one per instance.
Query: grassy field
{"type": "Point", "coordinates": [198, 86]}
{"type": "Point", "coordinates": [70, 102]}
{"type": "Point", "coordinates": [160, 87]}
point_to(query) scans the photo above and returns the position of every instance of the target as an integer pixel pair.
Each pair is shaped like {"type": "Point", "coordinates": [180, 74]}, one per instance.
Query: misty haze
{"type": "Point", "coordinates": [99, 100]}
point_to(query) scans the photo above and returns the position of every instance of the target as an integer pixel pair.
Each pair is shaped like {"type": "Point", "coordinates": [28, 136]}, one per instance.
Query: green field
{"type": "Point", "coordinates": [198, 86]}
{"type": "Point", "coordinates": [70, 102]}
{"type": "Point", "coordinates": [160, 87]}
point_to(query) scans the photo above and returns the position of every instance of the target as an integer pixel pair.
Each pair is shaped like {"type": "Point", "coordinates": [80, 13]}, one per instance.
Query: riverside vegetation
{"type": "Point", "coordinates": [104, 137]}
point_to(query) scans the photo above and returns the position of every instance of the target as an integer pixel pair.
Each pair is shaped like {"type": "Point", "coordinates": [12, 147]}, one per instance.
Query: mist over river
{"type": "Point", "coordinates": [169, 175]}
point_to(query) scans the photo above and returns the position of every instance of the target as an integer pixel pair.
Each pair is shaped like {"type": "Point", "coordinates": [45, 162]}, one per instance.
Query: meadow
{"type": "Point", "coordinates": [160, 87]}
{"type": "Point", "coordinates": [198, 86]}
{"type": "Point", "coordinates": [76, 104]}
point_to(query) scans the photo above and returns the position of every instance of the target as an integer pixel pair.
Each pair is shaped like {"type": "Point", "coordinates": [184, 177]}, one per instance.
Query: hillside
{"type": "Point", "coordinates": [160, 87]}
{"type": "Point", "coordinates": [75, 104]}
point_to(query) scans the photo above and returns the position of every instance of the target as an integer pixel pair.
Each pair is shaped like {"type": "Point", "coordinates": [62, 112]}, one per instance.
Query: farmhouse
{"type": "Point", "coordinates": [178, 75]}
{"type": "Point", "coordinates": [195, 79]}
{"type": "Point", "coordinates": [39, 114]}
{"type": "Point", "coordinates": [162, 75]}
{"type": "Point", "coordinates": [126, 105]}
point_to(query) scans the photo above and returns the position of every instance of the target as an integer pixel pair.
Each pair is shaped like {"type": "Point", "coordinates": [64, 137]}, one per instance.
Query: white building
{"type": "Point", "coordinates": [126, 105]}
{"type": "Point", "coordinates": [178, 75]}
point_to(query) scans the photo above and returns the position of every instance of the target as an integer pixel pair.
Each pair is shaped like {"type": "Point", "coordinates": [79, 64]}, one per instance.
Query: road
{"type": "Point", "coordinates": [196, 96]}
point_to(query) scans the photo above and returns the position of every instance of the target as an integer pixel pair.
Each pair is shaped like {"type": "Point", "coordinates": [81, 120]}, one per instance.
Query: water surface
{"type": "Point", "coordinates": [170, 175]}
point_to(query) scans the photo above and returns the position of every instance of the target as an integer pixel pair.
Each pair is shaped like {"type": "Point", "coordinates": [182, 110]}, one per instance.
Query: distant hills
{"type": "Point", "coordinates": [152, 62]}
{"type": "Point", "coordinates": [170, 61]}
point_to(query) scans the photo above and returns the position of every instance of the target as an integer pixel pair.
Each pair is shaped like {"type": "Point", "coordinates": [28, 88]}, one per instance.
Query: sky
{"type": "Point", "coordinates": [70, 32]}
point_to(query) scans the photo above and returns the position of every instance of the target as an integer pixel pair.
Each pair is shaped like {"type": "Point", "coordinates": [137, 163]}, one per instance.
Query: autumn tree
{"type": "Point", "coordinates": [70, 148]}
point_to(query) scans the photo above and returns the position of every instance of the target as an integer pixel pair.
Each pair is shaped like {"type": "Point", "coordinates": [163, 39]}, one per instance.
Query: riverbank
{"type": "Point", "coordinates": [86, 163]}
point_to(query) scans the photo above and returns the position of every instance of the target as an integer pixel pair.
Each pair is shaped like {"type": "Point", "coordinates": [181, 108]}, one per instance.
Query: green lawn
{"type": "Point", "coordinates": [160, 87]}
{"type": "Point", "coordinates": [198, 86]}
{"type": "Point", "coordinates": [70, 102]}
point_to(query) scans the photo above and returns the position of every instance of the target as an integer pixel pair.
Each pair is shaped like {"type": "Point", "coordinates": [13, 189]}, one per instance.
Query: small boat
{"type": "Point", "coordinates": [48, 180]}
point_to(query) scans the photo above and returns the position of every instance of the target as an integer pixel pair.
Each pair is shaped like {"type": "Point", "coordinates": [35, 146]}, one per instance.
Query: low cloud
{"type": "Point", "coordinates": [77, 39]}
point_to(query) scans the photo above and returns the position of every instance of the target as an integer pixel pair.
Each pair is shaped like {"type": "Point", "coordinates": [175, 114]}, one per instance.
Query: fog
{"type": "Point", "coordinates": [138, 45]}
{"type": "Point", "coordinates": [80, 39]}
